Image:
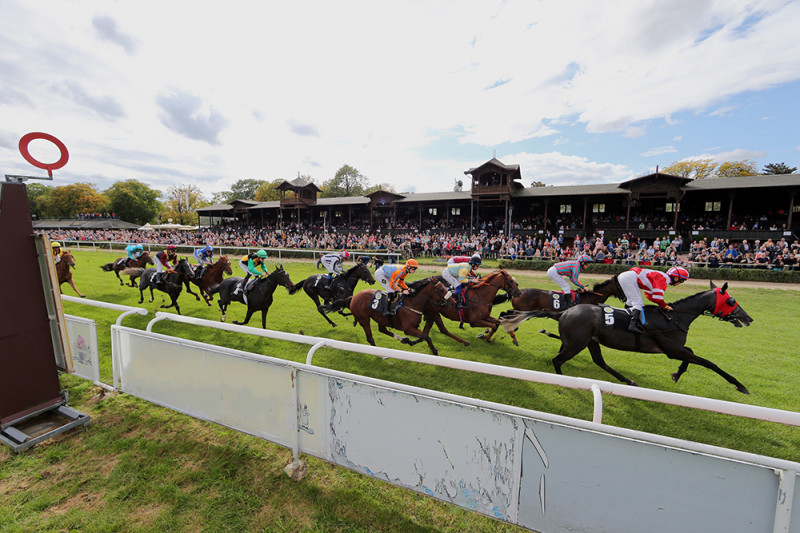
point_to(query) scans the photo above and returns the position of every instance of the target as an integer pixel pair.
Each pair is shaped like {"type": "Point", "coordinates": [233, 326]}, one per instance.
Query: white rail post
{"type": "Point", "coordinates": [785, 497]}
{"type": "Point", "coordinates": [598, 403]}
{"type": "Point", "coordinates": [313, 350]}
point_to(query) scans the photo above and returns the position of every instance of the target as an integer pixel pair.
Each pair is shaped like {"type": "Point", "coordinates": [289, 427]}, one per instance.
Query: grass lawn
{"type": "Point", "coordinates": [142, 467]}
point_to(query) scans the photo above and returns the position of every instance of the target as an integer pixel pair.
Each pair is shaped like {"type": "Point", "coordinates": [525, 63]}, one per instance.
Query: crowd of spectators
{"type": "Point", "coordinates": [547, 246]}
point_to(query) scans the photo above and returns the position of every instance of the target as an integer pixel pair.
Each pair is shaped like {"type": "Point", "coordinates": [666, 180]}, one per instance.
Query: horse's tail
{"type": "Point", "coordinates": [108, 267]}
{"type": "Point", "coordinates": [213, 290]}
{"type": "Point", "coordinates": [500, 298]}
{"type": "Point", "coordinates": [294, 289]}
{"type": "Point", "coordinates": [511, 319]}
{"type": "Point", "coordinates": [337, 305]}
{"type": "Point", "coordinates": [551, 335]}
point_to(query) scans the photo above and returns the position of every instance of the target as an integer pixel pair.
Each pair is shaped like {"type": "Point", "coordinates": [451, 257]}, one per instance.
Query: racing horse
{"type": "Point", "coordinates": [591, 326]}
{"type": "Point", "coordinates": [172, 283]}
{"type": "Point", "coordinates": [134, 270]}
{"type": "Point", "coordinates": [212, 277]}
{"type": "Point", "coordinates": [340, 287]}
{"type": "Point", "coordinates": [65, 274]}
{"type": "Point", "coordinates": [480, 297]}
{"type": "Point", "coordinates": [409, 314]}
{"type": "Point", "coordinates": [545, 300]}
{"type": "Point", "coordinates": [259, 297]}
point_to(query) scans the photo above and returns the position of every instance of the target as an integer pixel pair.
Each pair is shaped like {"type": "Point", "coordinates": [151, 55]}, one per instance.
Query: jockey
{"type": "Point", "coordinates": [250, 264]}
{"type": "Point", "coordinates": [56, 248]}
{"type": "Point", "coordinates": [392, 278]}
{"type": "Point", "coordinates": [654, 283]}
{"type": "Point", "coordinates": [135, 251]}
{"type": "Point", "coordinates": [333, 263]}
{"type": "Point", "coordinates": [458, 273]}
{"type": "Point", "coordinates": [166, 258]}
{"type": "Point", "coordinates": [456, 259]}
{"type": "Point", "coordinates": [204, 257]}
{"type": "Point", "coordinates": [570, 270]}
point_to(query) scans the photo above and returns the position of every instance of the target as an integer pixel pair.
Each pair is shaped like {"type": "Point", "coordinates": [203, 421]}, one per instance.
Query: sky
{"type": "Point", "coordinates": [409, 93]}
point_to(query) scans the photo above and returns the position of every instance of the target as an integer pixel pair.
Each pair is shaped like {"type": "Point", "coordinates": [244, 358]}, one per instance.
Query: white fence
{"type": "Point", "coordinates": [274, 253]}
{"type": "Point", "coordinates": [537, 470]}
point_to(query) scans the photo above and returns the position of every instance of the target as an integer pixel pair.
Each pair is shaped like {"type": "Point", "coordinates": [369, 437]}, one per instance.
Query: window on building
{"type": "Point", "coordinates": [796, 209]}
{"type": "Point", "coordinates": [713, 206]}
{"type": "Point", "coordinates": [671, 207]}
{"type": "Point", "coordinates": [455, 211]}
{"type": "Point", "coordinates": [432, 211]}
{"type": "Point", "coordinates": [338, 214]}
{"type": "Point", "coordinates": [566, 208]}
{"type": "Point", "coordinates": [599, 208]}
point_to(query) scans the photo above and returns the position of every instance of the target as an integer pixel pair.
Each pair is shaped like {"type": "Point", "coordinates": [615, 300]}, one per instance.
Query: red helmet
{"type": "Point", "coordinates": [345, 254]}
{"type": "Point", "coordinates": [678, 272]}
{"type": "Point", "coordinates": [172, 247]}
{"type": "Point", "coordinates": [583, 258]}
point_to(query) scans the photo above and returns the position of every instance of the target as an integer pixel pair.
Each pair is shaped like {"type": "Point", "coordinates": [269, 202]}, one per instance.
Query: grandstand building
{"type": "Point", "coordinates": [749, 207]}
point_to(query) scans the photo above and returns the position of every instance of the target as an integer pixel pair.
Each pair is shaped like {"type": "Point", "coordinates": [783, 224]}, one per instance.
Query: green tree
{"type": "Point", "coordinates": [778, 168]}
{"type": "Point", "coordinates": [37, 197]}
{"type": "Point", "coordinates": [347, 182]}
{"type": "Point", "coordinates": [380, 187]}
{"type": "Point", "coordinates": [134, 201]}
{"type": "Point", "coordinates": [268, 192]}
{"type": "Point", "coordinates": [538, 184]}
{"type": "Point", "coordinates": [696, 168]}
{"type": "Point", "coordinates": [246, 189]}
{"type": "Point", "coordinates": [222, 197]}
{"type": "Point", "coordinates": [181, 204]}
{"type": "Point", "coordinates": [734, 169]}
{"type": "Point", "coordinates": [72, 199]}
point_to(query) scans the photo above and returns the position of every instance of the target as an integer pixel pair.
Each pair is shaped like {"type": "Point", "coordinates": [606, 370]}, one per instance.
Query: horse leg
{"type": "Point", "coordinates": [116, 273]}
{"type": "Point", "coordinates": [247, 317]}
{"type": "Point", "coordinates": [152, 296]}
{"type": "Point", "coordinates": [365, 325]}
{"type": "Point", "coordinates": [264, 318]}
{"type": "Point", "coordinates": [489, 324]}
{"type": "Point", "coordinates": [442, 329]}
{"type": "Point", "coordinates": [681, 369]}
{"type": "Point", "coordinates": [223, 306]}
{"type": "Point", "coordinates": [74, 288]}
{"type": "Point", "coordinates": [189, 290]}
{"type": "Point", "coordinates": [141, 294]}
{"type": "Point", "coordinates": [597, 357]}
{"type": "Point", "coordinates": [385, 330]}
{"type": "Point", "coordinates": [319, 309]}
{"type": "Point", "coordinates": [415, 332]}
{"type": "Point", "coordinates": [685, 354]}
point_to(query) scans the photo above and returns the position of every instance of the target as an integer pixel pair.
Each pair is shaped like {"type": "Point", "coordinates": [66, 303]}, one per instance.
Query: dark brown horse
{"type": "Point", "coordinates": [340, 288]}
{"type": "Point", "coordinates": [259, 296]}
{"type": "Point", "coordinates": [479, 296]}
{"type": "Point", "coordinates": [134, 269]}
{"type": "Point", "coordinates": [590, 326]}
{"type": "Point", "coordinates": [211, 278]}
{"type": "Point", "coordinates": [408, 316]}
{"type": "Point", "coordinates": [65, 274]}
{"type": "Point", "coordinates": [545, 300]}
{"type": "Point", "coordinates": [172, 283]}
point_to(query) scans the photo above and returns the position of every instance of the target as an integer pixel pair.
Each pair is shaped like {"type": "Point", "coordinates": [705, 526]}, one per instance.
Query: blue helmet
{"type": "Point", "coordinates": [139, 247]}
{"type": "Point", "coordinates": [208, 249]}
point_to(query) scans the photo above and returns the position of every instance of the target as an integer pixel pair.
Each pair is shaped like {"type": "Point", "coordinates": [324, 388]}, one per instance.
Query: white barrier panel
{"type": "Point", "coordinates": [82, 335]}
{"type": "Point", "coordinates": [539, 471]}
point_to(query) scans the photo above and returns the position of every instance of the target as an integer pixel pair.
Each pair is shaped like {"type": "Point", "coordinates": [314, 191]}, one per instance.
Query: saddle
{"type": "Point", "coordinates": [615, 318]}
{"type": "Point", "coordinates": [560, 301]}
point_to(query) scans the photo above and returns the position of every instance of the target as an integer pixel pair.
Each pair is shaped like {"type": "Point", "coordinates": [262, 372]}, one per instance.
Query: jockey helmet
{"type": "Point", "coordinates": [345, 254]}
{"type": "Point", "coordinates": [55, 245]}
{"type": "Point", "coordinates": [475, 260]}
{"type": "Point", "coordinates": [262, 254]}
{"type": "Point", "coordinates": [678, 273]}
{"type": "Point", "coordinates": [139, 247]}
{"type": "Point", "coordinates": [583, 258]}
{"type": "Point", "coordinates": [412, 263]}
{"type": "Point", "coordinates": [172, 247]}
{"type": "Point", "coordinates": [208, 248]}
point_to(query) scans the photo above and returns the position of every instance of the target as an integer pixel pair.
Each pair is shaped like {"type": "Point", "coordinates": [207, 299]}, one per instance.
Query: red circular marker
{"type": "Point", "coordinates": [49, 167]}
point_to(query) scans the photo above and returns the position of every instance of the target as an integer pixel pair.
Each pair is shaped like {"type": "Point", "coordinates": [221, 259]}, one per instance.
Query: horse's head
{"type": "Point", "coordinates": [726, 308]}
{"type": "Point", "coordinates": [441, 293]}
{"type": "Point", "coordinates": [183, 267]}
{"type": "Point", "coordinates": [509, 283]}
{"type": "Point", "coordinates": [147, 259]}
{"type": "Point", "coordinates": [361, 271]}
{"type": "Point", "coordinates": [67, 258]}
{"type": "Point", "coordinates": [226, 264]}
{"type": "Point", "coordinates": [610, 287]}
{"type": "Point", "coordinates": [281, 277]}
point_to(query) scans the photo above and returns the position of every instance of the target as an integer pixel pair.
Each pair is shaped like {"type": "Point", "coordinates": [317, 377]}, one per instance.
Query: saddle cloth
{"type": "Point", "coordinates": [380, 302]}
{"type": "Point", "coordinates": [560, 301]}
{"type": "Point", "coordinates": [614, 318]}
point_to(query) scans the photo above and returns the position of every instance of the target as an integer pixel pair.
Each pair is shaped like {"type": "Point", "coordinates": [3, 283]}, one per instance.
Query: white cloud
{"type": "Point", "coordinates": [555, 168]}
{"type": "Point", "coordinates": [661, 150]}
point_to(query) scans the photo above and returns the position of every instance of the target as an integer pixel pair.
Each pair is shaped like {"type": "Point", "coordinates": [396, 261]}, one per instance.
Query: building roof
{"type": "Point", "coordinates": [343, 200]}
{"type": "Point", "coordinates": [215, 207]}
{"type": "Point", "coordinates": [435, 196]}
{"type": "Point", "coordinates": [570, 190]}
{"type": "Point", "coordinates": [494, 162]}
{"type": "Point", "coordinates": [744, 182]}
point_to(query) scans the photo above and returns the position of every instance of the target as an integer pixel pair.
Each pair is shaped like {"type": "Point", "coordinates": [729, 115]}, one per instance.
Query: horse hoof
{"type": "Point", "coordinates": [435, 352]}
{"type": "Point", "coordinates": [467, 343]}
{"type": "Point", "coordinates": [633, 384]}
{"type": "Point", "coordinates": [675, 378]}
{"type": "Point", "coordinates": [742, 389]}
{"type": "Point", "coordinates": [480, 335]}
{"type": "Point", "coordinates": [515, 343]}
{"type": "Point", "coordinates": [333, 324]}
{"type": "Point", "coordinates": [405, 340]}
{"type": "Point", "coordinates": [83, 296]}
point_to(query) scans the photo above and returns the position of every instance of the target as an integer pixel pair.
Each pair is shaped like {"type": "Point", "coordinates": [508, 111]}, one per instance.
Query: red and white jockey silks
{"type": "Point", "coordinates": [652, 282]}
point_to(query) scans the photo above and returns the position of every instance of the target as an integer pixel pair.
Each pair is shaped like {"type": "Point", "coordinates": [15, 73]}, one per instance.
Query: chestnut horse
{"type": "Point", "coordinates": [545, 300]}
{"type": "Point", "coordinates": [590, 326]}
{"type": "Point", "coordinates": [408, 317]}
{"type": "Point", "coordinates": [134, 269]}
{"type": "Point", "coordinates": [479, 296]}
{"type": "Point", "coordinates": [211, 278]}
{"type": "Point", "coordinates": [65, 274]}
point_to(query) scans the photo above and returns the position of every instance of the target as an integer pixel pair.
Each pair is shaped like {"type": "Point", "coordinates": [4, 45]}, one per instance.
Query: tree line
{"type": "Point", "coordinates": [134, 201]}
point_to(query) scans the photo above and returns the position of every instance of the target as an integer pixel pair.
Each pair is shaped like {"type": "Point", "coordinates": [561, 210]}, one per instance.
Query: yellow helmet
{"type": "Point", "coordinates": [55, 244]}
{"type": "Point", "coordinates": [412, 263]}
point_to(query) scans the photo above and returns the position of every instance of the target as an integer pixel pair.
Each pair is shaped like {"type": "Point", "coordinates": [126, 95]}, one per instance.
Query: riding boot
{"type": "Point", "coordinates": [460, 302]}
{"type": "Point", "coordinates": [636, 322]}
